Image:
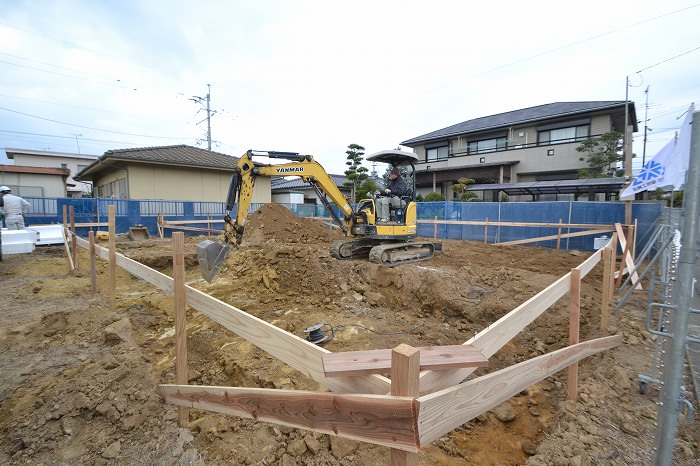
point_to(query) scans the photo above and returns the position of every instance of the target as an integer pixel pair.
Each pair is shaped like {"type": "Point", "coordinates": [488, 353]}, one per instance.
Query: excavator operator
{"type": "Point", "coordinates": [394, 191]}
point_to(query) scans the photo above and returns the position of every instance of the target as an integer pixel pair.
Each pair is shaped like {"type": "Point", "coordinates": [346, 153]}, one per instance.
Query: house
{"type": "Point", "coordinates": [525, 153]}
{"type": "Point", "coordinates": [177, 173]}
{"type": "Point", "coordinates": [63, 160]}
{"type": "Point", "coordinates": [296, 191]}
{"type": "Point", "coordinates": [34, 181]}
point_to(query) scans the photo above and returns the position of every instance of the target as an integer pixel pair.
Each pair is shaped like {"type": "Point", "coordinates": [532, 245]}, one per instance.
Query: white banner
{"type": "Point", "coordinates": [668, 166]}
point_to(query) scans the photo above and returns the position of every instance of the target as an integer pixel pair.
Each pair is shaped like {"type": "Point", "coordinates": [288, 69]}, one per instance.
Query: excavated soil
{"type": "Point", "coordinates": [80, 383]}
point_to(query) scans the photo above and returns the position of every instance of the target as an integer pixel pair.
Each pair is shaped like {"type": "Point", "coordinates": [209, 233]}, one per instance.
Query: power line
{"type": "Point", "coordinates": [564, 47]}
{"type": "Point", "coordinates": [89, 127]}
{"type": "Point", "coordinates": [669, 59]}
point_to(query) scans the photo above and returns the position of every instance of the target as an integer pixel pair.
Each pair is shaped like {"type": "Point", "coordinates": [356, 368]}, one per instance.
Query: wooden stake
{"type": "Point", "coordinates": [486, 230]}
{"type": "Point", "coordinates": [93, 267]}
{"type": "Point", "coordinates": [574, 320]}
{"type": "Point", "coordinates": [112, 216]}
{"type": "Point", "coordinates": [180, 302]}
{"type": "Point", "coordinates": [559, 235]}
{"type": "Point", "coordinates": [613, 253]}
{"type": "Point", "coordinates": [69, 255]}
{"type": "Point", "coordinates": [73, 240]}
{"type": "Point", "coordinates": [605, 298]}
{"type": "Point", "coordinates": [435, 228]}
{"type": "Point", "coordinates": [405, 370]}
{"type": "Point", "coordinates": [209, 224]}
{"type": "Point", "coordinates": [633, 248]}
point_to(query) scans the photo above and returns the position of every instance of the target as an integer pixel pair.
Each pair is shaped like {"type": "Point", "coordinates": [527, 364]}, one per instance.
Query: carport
{"type": "Point", "coordinates": [589, 187]}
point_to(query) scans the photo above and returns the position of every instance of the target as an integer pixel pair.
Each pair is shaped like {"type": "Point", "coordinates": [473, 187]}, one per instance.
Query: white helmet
{"type": "Point", "coordinates": [4, 189]}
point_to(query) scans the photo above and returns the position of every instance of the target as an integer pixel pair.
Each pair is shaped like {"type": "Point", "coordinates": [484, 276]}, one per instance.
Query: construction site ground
{"type": "Point", "coordinates": [79, 383]}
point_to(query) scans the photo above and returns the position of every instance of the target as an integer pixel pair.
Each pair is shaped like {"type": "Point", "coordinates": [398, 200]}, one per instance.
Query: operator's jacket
{"type": "Point", "coordinates": [14, 208]}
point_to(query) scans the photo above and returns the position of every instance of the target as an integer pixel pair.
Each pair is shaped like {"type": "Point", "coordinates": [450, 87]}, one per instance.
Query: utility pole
{"type": "Point", "coordinates": [627, 151]}
{"type": "Point", "coordinates": [205, 102]}
{"type": "Point", "coordinates": [646, 111]}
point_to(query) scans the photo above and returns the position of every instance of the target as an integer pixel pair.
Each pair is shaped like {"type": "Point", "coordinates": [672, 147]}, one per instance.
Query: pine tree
{"type": "Point", "coordinates": [356, 173]}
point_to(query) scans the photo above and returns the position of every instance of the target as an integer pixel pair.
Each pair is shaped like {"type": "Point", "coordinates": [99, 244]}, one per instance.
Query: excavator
{"type": "Point", "coordinates": [385, 241]}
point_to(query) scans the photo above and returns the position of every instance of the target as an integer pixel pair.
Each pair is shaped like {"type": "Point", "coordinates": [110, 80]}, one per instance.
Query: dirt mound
{"type": "Point", "coordinates": [80, 382]}
{"type": "Point", "coordinates": [276, 222]}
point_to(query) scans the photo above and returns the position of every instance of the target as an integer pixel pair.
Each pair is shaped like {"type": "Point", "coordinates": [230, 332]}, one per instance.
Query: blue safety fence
{"type": "Point", "coordinates": [568, 212]}
{"type": "Point", "coordinates": [145, 212]}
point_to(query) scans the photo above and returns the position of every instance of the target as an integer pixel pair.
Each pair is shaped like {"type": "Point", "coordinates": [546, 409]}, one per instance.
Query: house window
{"type": "Point", "coordinates": [486, 145]}
{"type": "Point", "coordinates": [115, 189]}
{"type": "Point", "coordinates": [436, 153]}
{"type": "Point", "coordinates": [563, 135]}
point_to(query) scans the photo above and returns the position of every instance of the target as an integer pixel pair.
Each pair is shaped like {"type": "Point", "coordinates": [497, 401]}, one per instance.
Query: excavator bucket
{"type": "Point", "coordinates": [211, 255]}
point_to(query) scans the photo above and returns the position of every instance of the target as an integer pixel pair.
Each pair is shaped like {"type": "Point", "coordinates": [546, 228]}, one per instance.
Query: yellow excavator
{"type": "Point", "coordinates": [386, 241]}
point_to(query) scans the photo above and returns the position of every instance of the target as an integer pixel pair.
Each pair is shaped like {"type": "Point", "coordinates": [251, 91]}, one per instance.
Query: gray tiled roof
{"type": "Point", "coordinates": [518, 117]}
{"type": "Point", "coordinates": [174, 155]}
{"type": "Point", "coordinates": [291, 183]}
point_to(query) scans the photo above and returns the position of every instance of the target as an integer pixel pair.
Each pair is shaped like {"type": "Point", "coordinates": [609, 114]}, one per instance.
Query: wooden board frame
{"type": "Point", "coordinates": [415, 421]}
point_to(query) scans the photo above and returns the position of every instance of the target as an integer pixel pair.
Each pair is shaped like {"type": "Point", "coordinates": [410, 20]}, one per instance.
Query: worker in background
{"type": "Point", "coordinates": [392, 195]}
{"type": "Point", "coordinates": [13, 208]}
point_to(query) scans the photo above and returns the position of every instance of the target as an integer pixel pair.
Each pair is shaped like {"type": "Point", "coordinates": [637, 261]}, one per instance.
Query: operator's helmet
{"type": "Point", "coordinates": [4, 189]}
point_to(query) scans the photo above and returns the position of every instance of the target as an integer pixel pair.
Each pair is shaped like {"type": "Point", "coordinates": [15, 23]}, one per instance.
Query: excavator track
{"type": "Point", "coordinates": [353, 248]}
{"type": "Point", "coordinates": [391, 255]}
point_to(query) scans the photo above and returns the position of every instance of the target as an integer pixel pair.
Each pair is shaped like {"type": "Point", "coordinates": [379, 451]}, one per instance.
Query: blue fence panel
{"type": "Point", "coordinates": [145, 212]}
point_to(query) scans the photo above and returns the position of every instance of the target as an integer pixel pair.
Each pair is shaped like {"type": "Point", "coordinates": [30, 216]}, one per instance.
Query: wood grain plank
{"type": "Point", "coordinates": [288, 348]}
{"type": "Point", "coordinates": [441, 412]}
{"type": "Point", "coordinates": [379, 361]}
{"type": "Point", "coordinates": [496, 335]}
{"type": "Point", "coordinates": [629, 262]}
{"type": "Point", "coordinates": [551, 237]}
{"type": "Point", "coordinates": [381, 420]}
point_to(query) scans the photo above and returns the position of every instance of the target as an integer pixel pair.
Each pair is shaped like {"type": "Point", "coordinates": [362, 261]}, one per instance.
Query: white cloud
{"type": "Point", "coordinates": [315, 76]}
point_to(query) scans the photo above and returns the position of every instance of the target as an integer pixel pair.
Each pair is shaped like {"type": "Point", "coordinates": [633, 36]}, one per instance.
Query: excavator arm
{"type": "Point", "coordinates": [240, 194]}
{"type": "Point", "coordinates": [304, 166]}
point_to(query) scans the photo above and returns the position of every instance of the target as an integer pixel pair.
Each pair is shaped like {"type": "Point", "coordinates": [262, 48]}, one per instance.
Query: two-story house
{"type": "Point", "coordinates": [528, 153]}
{"type": "Point", "coordinates": [59, 160]}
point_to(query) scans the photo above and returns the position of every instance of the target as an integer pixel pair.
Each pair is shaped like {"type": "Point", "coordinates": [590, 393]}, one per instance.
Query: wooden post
{"type": "Point", "coordinates": [69, 255]}
{"type": "Point", "coordinates": [93, 267]}
{"type": "Point", "coordinates": [160, 226]}
{"type": "Point", "coordinates": [65, 216]}
{"type": "Point", "coordinates": [486, 230]}
{"type": "Point", "coordinates": [112, 220]}
{"type": "Point", "coordinates": [180, 302]}
{"type": "Point", "coordinates": [623, 261]}
{"type": "Point", "coordinates": [633, 247]}
{"type": "Point", "coordinates": [405, 372]}
{"type": "Point", "coordinates": [74, 241]}
{"type": "Point", "coordinates": [613, 253]}
{"type": "Point", "coordinates": [559, 235]}
{"type": "Point", "coordinates": [435, 228]}
{"type": "Point", "coordinates": [209, 224]}
{"type": "Point", "coordinates": [574, 318]}
{"type": "Point", "coordinates": [605, 298]}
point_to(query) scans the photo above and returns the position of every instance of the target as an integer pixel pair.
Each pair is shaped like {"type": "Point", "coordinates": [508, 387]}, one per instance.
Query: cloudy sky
{"type": "Point", "coordinates": [313, 76]}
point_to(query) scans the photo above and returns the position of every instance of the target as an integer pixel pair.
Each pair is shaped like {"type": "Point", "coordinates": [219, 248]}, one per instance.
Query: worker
{"type": "Point", "coordinates": [13, 208]}
{"type": "Point", "coordinates": [392, 195]}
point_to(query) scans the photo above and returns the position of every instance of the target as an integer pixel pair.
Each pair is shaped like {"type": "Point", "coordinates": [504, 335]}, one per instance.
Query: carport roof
{"type": "Point", "coordinates": [582, 186]}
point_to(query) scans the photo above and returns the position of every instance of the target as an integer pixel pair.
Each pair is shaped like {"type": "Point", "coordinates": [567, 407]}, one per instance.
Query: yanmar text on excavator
{"type": "Point", "coordinates": [386, 241]}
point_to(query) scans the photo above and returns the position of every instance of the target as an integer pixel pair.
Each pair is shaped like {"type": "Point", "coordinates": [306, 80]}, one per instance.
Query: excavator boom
{"type": "Point", "coordinates": [212, 254]}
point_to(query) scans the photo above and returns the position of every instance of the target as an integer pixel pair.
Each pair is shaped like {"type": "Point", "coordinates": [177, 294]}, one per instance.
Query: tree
{"type": "Point", "coordinates": [356, 173]}
{"type": "Point", "coordinates": [461, 189]}
{"type": "Point", "coordinates": [603, 153]}
{"type": "Point", "coordinates": [367, 186]}
{"type": "Point", "coordinates": [432, 197]}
